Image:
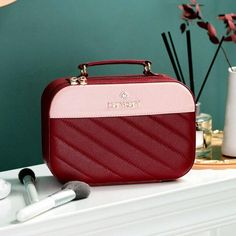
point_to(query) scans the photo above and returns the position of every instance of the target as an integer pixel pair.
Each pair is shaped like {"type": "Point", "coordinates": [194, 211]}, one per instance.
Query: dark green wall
{"type": "Point", "coordinates": [41, 40]}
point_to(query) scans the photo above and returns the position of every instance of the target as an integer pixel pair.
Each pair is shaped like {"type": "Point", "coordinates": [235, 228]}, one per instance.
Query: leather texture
{"type": "Point", "coordinates": [144, 63]}
{"type": "Point", "coordinates": [113, 62]}
{"type": "Point", "coordinates": [118, 150]}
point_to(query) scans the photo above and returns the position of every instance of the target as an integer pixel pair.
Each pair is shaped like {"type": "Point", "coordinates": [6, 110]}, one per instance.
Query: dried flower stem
{"type": "Point", "coordinates": [226, 57]}
{"type": "Point", "coordinates": [209, 69]}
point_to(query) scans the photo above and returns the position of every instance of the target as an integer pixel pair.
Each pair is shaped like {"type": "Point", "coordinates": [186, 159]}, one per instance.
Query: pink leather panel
{"type": "Point", "coordinates": [109, 100]}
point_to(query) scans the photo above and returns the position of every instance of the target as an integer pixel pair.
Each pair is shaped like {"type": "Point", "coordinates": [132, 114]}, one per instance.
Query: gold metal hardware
{"type": "Point", "coordinates": [83, 71]}
{"type": "Point", "coordinates": [82, 80]}
{"type": "Point", "coordinates": [74, 81]}
{"type": "Point", "coordinates": [147, 68]}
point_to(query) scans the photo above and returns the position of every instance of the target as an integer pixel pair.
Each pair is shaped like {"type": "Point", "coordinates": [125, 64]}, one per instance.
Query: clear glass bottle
{"type": "Point", "coordinates": [203, 134]}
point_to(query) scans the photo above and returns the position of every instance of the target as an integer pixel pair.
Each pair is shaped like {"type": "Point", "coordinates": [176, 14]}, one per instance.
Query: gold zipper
{"type": "Point", "coordinates": [82, 80]}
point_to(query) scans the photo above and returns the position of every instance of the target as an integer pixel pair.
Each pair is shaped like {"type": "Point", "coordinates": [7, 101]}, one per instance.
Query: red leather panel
{"type": "Point", "coordinates": [121, 149]}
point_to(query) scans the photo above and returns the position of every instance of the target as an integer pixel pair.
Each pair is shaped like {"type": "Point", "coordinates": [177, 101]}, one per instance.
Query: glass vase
{"type": "Point", "coordinates": [203, 134]}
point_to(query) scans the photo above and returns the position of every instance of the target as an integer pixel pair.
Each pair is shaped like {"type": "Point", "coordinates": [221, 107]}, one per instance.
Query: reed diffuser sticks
{"type": "Point", "coordinates": [190, 61]}
{"type": "Point", "coordinates": [168, 49]}
{"type": "Point", "coordinates": [176, 57]}
{"type": "Point", "coordinates": [209, 69]}
{"type": "Point", "coordinates": [177, 67]}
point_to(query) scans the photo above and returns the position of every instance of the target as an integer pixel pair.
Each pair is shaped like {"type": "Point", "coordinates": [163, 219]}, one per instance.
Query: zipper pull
{"type": "Point", "coordinates": [73, 81]}
{"type": "Point", "coordinates": [82, 80]}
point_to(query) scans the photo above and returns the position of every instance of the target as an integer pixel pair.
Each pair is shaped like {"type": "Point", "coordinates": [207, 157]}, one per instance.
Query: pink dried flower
{"type": "Point", "coordinates": [212, 33]}
{"type": "Point", "coordinates": [227, 17]}
{"type": "Point", "coordinates": [189, 13]}
{"type": "Point", "coordinates": [229, 21]}
{"type": "Point", "coordinates": [231, 38]}
{"type": "Point", "coordinates": [193, 1]}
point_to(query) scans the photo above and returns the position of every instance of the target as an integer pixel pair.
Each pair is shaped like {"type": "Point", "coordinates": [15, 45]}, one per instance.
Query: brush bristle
{"type": "Point", "coordinates": [81, 189]}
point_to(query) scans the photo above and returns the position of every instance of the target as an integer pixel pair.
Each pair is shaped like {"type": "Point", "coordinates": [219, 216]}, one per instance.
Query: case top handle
{"type": "Point", "coordinates": [145, 63]}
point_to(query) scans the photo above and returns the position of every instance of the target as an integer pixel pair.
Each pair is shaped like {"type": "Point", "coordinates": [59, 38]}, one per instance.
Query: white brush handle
{"type": "Point", "coordinates": [35, 209]}
{"type": "Point", "coordinates": [46, 204]}
{"type": "Point", "coordinates": [30, 189]}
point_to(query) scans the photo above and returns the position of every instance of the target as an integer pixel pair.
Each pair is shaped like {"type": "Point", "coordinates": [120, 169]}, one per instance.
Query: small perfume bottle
{"type": "Point", "coordinates": [203, 134]}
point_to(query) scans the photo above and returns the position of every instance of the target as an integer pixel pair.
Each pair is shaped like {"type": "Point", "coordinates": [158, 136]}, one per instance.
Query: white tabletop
{"type": "Point", "coordinates": [115, 210]}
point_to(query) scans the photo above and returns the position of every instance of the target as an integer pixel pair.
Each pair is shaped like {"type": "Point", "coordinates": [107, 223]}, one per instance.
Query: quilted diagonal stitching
{"type": "Point", "coordinates": [108, 148]}
{"type": "Point", "coordinates": [184, 117]}
{"type": "Point", "coordinates": [89, 156]}
{"type": "Point", "coordinates": [154, 137]}
{"type": "Point", "coordinates": [86, 175]}
{"type": "Point", "coordinates": [150, 155]}
{"type": "Point", "coordinates": [167, 126]}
